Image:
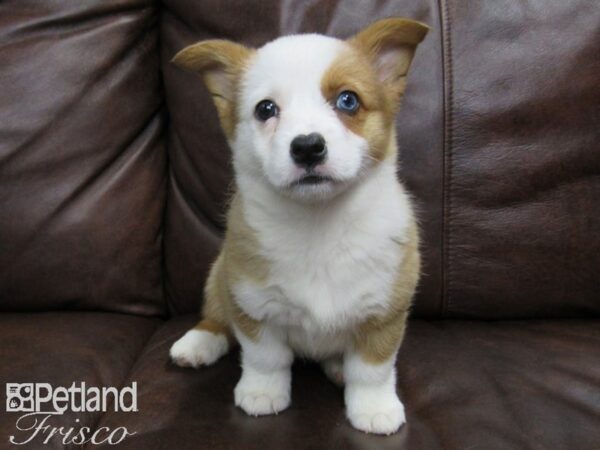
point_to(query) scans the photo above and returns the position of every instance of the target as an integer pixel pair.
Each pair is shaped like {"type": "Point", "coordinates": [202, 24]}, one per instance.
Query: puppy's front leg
{"type": "Point", "coordinates": [265, 385]}
{"type": "Point", "coordinates": [372, 404]}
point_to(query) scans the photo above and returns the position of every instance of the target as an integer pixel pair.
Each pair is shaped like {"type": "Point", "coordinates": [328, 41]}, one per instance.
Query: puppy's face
{"type": "Point", "coordinates": [308, 113]}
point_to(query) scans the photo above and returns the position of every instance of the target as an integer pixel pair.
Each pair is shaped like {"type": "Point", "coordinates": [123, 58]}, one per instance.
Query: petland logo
{"type": "Point", "coordinates": [41, 401]}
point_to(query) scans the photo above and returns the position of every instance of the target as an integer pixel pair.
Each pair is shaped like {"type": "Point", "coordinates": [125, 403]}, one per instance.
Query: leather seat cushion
{"type": "Point", "coordinates": [494, 385]}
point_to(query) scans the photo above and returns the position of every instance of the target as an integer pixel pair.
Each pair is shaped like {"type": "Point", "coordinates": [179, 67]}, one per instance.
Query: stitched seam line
{"type": "Point", "coordinates": [445, 26]}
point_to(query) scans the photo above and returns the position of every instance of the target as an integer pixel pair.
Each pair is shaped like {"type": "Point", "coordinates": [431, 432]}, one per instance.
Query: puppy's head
{"type": "Point", "coordinates": [309, 114]}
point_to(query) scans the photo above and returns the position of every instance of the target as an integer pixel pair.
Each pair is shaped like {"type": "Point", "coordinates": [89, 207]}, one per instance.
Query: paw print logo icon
{"type": "Point", "coordinates": [19, 397]}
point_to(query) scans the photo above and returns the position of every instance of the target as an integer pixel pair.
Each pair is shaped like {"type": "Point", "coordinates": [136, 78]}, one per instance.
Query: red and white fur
{"type": "Point", "coordinates": [323, 269]}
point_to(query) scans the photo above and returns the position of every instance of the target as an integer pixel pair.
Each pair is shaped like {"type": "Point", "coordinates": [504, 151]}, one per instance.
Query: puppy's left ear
{"type": "Point", "coordinates": [220, 64]}
{"type": "Point", "coordinates": [390, 44]}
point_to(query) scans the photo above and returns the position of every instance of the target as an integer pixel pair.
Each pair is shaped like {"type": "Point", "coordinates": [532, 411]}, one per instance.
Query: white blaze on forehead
{"type": "Point", "coordinates": [291, 65]}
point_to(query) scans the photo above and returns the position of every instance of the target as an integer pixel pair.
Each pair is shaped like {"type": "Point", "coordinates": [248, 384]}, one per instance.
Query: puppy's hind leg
{"type": "Point", "coordinates": [202, 345]}
{"type": "Point", "coordinates": [211, 338]}
{"type": "Point", "coordinates": [334, 369]}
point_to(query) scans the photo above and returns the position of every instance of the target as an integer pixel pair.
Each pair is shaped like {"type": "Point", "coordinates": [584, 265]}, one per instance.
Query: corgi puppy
{"type": "Point", "coordinates": [321, 253]}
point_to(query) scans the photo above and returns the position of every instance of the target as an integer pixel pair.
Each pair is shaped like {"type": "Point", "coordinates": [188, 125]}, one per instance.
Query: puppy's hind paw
{"type": "Point", "coordinates": [334, 370]}
{"type": "Point", "coordinates": [197, 348]}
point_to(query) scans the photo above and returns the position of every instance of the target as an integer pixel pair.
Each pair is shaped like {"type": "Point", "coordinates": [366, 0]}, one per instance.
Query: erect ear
{"type": "Point", "coordinates": [219, 63]}
{"type": "Point", "coordinates": [390, 44]}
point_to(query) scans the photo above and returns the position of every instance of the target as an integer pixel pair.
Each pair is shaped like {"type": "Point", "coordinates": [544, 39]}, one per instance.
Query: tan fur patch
{"type": "Point", "coordinates": [379, 337]}
{"type": "Point", "coordinates": [239, 260]}
{"type": "Point", "coordinates": [374, 66]}
{"type": "Point", "coordinates": [242, 249]}
{"type": "Point", "coordinates": [217, 328]}
{"type": "Point", "coordinates": [373, 120]}
{"type": "Point", "coordinates": [215, 313]}
{"type": "Point", "coordinates": [220, 63]}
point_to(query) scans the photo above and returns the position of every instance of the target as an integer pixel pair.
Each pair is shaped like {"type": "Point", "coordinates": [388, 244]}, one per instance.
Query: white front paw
{"type": "Point", "coordinates": [198, 347]}
{"type": "Point", "coordinates": [374, 413]}
{"type": "Point", "coordinates": [260, 394]}
{"type": "Point", "coordinates": [256, 403]}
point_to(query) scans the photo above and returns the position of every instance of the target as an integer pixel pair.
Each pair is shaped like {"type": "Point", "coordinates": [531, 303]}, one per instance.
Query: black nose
{"type": "Point", "coordinates": [308, 150]}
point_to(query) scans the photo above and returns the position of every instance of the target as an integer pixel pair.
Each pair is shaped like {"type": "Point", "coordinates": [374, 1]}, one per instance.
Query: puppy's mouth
{"type": "Point", "coordinates": [312, 186]}
{"type": "Point", "coordinates": [311, 179]}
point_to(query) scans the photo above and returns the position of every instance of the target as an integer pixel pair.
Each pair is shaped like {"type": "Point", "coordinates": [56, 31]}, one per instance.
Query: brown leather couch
{"type": "Point", "coordinates": [113, 179]}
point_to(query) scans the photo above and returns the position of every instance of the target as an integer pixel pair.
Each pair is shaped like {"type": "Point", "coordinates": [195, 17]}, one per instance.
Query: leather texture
{"type": "Point", "coordinates": [522, 157]}
{"type": "Point", "coordinates": [494, 386]}
{"type": "Point", "coordinates": [61, 348]}
{"type": "Point", "coordinates": [82, 157]}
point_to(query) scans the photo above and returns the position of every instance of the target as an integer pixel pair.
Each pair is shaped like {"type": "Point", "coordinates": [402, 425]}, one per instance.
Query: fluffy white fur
{"type": "Point", "coordinates": [333, 266]}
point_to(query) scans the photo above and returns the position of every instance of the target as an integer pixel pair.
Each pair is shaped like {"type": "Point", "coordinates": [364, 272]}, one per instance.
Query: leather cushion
{"type": "Point", "coordinates": [522, 223]}
{"type": "Point", "coordinates": [495, 385]}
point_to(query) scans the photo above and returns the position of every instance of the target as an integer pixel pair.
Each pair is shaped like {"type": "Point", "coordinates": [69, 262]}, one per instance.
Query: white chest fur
{"type": "Point", "coordinates": [330, 267]}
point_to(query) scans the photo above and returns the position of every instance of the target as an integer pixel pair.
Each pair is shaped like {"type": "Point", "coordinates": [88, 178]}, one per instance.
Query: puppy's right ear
{"type": "Point", "coordinates": [391, 44]}
{"type": "Point", "coordinates": [220, 64]}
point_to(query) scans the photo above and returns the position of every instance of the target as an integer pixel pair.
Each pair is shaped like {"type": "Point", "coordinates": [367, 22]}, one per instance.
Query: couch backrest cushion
{"type": "Point", "coordinates": [82, 159]}
{"type": "Point", "coordinates": [522, 157]}
{"type": "Point", "coordinates": [498, 132]}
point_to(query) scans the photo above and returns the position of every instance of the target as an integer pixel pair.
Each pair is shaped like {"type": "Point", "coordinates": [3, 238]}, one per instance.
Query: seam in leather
{"type": "Point", "coordinates": [447, 76]}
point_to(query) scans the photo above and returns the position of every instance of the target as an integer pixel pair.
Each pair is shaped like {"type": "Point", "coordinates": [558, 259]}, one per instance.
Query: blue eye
{"type": "Point", "coordinates": [265, 109]}
{"type": "Point", "coordinates": [348, 102]}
